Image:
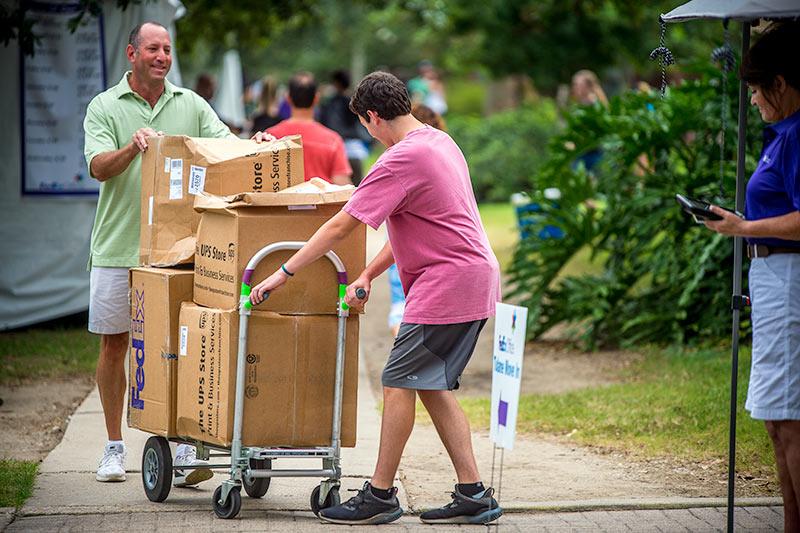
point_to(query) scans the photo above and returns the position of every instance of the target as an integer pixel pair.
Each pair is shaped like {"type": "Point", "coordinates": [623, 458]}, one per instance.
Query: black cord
{"type": "Point", "coordinates": [663, 55]}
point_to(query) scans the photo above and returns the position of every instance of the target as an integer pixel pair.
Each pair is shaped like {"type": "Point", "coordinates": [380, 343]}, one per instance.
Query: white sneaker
{"type": "Point", "coordinates": [112, 465]}
{"type": "Point", "coordinates": [187, 456]}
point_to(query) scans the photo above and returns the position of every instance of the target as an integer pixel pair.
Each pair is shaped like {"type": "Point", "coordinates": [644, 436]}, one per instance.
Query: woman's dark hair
{"type": "Point", "coordinates": [774, 54]}
{"type": "Point", "coordinates": [383, 93]}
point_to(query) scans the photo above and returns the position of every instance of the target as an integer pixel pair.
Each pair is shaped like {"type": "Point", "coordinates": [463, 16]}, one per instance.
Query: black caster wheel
{"type": "Point", "coordinates": [332, 500]}
{"type": "Point", "coordinates": [157, 469]}
{"type": "Point", "coordinates": [231, 507]}
{"type": "Point", "coordinates": [257, 487]}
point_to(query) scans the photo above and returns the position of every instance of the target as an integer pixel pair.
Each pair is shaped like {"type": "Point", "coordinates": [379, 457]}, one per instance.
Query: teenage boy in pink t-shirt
{"type": "Point", "coordinates": [421, 188]}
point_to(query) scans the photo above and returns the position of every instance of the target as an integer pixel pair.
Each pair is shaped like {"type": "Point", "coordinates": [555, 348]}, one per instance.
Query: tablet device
{"type": "Point", "coordinates": [699, 209]}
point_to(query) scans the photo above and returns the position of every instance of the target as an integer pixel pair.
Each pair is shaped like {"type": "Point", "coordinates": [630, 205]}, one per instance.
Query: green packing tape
{"type": "Point", "coordinates": [342, 292]}
{"type": "Point", "coordinates": [246, 292]}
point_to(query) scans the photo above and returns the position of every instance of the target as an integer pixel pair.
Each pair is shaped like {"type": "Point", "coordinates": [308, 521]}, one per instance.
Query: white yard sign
{"type": "Point", "coordinates": [509, 348]}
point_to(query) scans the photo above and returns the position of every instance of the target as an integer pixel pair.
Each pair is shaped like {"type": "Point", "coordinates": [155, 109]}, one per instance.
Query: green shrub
{"type": "Point", "coordinates": [504, 150]}
{"type": "Point", "coordinates": [663, 277]}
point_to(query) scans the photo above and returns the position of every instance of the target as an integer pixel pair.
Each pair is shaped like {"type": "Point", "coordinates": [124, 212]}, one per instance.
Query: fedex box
{"type": "Point", "coordinates": [177, 168]}
{"type": "Point", "coordinates": [233, 229]}
{"type": "Point", "coordinates": [289, 379]}
{"type": "Point", "coordinates": [156, 296]}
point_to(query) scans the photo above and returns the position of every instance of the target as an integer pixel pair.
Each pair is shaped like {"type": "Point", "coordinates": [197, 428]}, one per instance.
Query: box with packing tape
{"type": "Point", "coordinates": [177, 168]}
{"type": "Point", "coordinates": [291, 363]}
{"type": "Point", "coordinates": [234, 228]}
{"type": "Point", "coordinates": [156, 296]}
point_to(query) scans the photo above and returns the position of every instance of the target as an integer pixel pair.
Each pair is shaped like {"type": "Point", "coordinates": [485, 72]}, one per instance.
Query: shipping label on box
{"type": "Point", "coordinates": [233, 230]}
{"type": "Point", "coordinates": [156, 296]}
{"type": "Point", "coordinates": [289, 378]}
{"type": "Point", "coordinates": [177, 168]}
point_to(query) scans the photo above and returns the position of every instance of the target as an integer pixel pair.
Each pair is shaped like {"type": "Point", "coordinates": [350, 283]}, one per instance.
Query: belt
{"type": "Point", "coordinates": [762, 250]}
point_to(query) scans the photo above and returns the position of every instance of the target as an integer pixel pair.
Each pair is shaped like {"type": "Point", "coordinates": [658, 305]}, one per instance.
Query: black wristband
{"type": "Point", "coordinates": [283, 267]}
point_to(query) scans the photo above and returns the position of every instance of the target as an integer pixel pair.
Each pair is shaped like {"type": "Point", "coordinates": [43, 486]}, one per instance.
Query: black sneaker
{"type": "Point", "coordinates": [364, 508]}
{"type": "Point", "coordinates": [479, 509]}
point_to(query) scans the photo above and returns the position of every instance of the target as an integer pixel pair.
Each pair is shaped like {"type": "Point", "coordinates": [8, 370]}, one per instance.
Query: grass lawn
{"type": "Point", "coordinates": [500, 223]}
{"type": "Point", "coordinates": [32, 354]}
{"type": "Point", "coordinates": [673, 403]}
{"type": "Point", "coordinates": [37, 353]}
{"type": "Point", "coordinates": [16, 482]}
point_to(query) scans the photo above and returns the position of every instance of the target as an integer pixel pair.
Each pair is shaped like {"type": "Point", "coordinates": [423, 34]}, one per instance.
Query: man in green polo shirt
{"type": "Point", "coordinates": [118, 122]}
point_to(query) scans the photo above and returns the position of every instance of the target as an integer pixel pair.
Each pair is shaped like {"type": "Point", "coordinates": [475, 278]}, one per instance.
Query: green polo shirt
{"type": "Point", "coordinates": [112, 118]}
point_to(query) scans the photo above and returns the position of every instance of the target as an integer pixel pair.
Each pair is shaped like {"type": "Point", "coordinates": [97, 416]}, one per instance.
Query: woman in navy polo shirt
{"type": "Point", "coordinates": [772, 228]}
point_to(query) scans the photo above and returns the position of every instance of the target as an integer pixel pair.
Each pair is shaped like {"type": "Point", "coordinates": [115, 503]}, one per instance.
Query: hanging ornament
{"type": "Point", "coordinates": [724, 56]}
{"type": "Point", "coordinates": [663, 55]}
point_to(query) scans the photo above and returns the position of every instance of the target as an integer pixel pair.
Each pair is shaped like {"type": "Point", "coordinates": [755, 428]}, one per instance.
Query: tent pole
{"type": "Point", "coordinates": [737, 281]}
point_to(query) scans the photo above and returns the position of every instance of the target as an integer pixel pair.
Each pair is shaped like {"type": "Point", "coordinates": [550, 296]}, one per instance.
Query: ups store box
{"type": "Point", "coordinates": [233, 229]}
{"type": "Point", "coordinates": [177, 168]}
{"type": "Point", "coordinates": [289, 379]}
{"type": "Point", "coordinates": [156, 296]}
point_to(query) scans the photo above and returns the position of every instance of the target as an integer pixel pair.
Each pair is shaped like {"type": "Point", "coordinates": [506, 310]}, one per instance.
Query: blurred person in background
{"type": "Point", "coordinates": [585, 89]}
{"type": "Point", "coordinates": [435, 99]}
{"type": "Point", "coordinates": [335, 114]}
{"type": "Point", "coordinates": [324, 155]}
{"type": "Point", "coordinates": [267, 114]}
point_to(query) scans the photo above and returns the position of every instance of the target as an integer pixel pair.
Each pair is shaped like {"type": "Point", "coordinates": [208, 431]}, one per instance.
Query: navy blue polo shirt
{"type": "Point", "coordinates": [774, 188]}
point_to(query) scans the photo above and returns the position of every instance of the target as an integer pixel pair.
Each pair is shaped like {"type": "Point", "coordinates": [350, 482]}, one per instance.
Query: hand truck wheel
{"type": "Point", "coordinates": [231, 507]}
{"type": "Point", "coordinates": [331, 500]}
{"type": "Point", "coordinates": [256, 487]}
{"type": "Point", "coordinates": [157, 469]}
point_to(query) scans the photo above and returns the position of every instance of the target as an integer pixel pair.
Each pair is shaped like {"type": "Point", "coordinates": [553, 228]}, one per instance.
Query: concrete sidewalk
{"type": "Point", "coordinates": [67, 498]}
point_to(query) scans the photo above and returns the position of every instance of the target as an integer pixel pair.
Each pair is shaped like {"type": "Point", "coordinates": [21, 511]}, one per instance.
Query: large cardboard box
{"type": "Point", "coordinates": [233, 229]}
{"type": "Point", "coordinates": [156, 296]}
{"type": "Point", "coordinates": [177, 168]}
{"type": "Point", "coordinates": [291, 360]}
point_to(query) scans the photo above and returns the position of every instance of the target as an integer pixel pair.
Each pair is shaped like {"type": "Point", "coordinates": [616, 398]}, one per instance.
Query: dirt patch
{"type": "Point", "coordinates": [34, 415]}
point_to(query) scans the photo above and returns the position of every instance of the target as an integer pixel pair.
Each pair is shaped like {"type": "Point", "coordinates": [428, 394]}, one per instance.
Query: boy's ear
{"type": "Point", "coordinates": [373, 116]}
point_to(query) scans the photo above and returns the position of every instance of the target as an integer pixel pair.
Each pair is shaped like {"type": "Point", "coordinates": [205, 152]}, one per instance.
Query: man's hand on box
{"type": "Point", "coordinates": [268, 285]}
{"type": "Point", "coordinates": [262, 136]}
{"type": "Point", "coordinates": [139, 138]}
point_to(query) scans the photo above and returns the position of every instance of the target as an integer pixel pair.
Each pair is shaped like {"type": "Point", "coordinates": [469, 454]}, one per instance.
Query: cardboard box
{"type": "Point", "coordinates": [156, 296]}
{"type": "Point", "coordinates": [176, 168]}
{"type": "Point", "coordinates": [233, 229]}
{"type": "Point", "coordinates": [291, 362]}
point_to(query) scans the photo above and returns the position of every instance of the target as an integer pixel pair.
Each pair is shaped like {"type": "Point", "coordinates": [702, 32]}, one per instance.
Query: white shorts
{"type": "Point", "coordinates": [109, 301]}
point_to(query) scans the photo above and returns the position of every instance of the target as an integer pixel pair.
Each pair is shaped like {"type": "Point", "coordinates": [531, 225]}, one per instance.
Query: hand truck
{"type": "Point", "coordinates": [251, 467]}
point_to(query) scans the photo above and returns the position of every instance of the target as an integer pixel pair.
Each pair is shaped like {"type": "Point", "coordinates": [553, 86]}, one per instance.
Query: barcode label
{"type": "Point", "coordinates": [184, 340]}
{"type": "Point", "coordinates": [176, 179]}
{"type": "Point", "coordinates": [167, 161]}
{"type": "Point", "coordinates": [197, 179]}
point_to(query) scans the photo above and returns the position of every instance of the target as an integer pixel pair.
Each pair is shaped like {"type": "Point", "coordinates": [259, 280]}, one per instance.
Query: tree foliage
{"type": "Point", "coordinates": [661, 277]}
{"type": "Point", "coordinates": [504, 149]}
{"type": "Point", "coordinates": [549, 40]}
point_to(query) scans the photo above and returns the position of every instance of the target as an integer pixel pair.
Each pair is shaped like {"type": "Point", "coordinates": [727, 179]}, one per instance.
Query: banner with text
{"type": "Point", "coordinates": [509, 348]}
{"type": "Point", "coordinates": [66, 71]}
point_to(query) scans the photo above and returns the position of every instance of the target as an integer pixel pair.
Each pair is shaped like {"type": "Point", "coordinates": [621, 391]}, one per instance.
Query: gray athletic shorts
{"type": "Point", "coordinates": [431, 357]}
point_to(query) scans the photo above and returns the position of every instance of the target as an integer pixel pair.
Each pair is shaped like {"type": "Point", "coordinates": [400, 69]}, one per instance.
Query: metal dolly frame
{"type": "Point", "coordinates": [251, 467]}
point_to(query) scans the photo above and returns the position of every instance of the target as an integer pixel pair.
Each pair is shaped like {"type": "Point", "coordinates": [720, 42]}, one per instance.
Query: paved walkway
{"type": "Point", "coordinates": [67, 498]}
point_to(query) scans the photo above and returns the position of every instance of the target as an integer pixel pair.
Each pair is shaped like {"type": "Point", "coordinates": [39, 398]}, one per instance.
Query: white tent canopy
{"type": "Point", "coordinates": [740, 10]}
{"type": "Point", "coordinates": [45, 239]}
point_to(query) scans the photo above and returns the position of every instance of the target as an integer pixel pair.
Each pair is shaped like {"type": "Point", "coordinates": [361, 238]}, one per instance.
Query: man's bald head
{"type": "Point", "coordinates": [135, 38]}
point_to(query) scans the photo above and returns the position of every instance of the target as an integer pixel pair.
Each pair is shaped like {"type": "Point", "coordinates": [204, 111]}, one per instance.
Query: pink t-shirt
{"type": "Point", "coordinates": [421, 188]}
